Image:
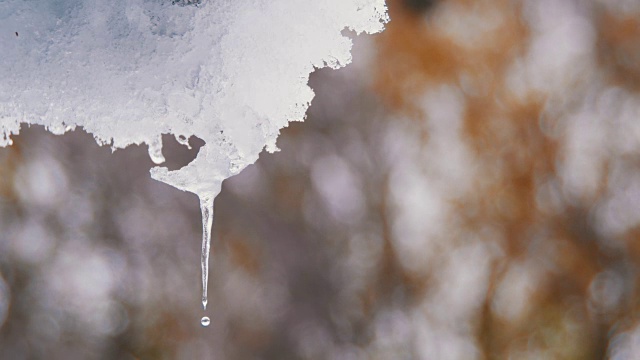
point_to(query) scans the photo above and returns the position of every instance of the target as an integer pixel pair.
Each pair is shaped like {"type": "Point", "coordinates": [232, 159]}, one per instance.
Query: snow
{"type": "Point", "coordinates": [232, 73]}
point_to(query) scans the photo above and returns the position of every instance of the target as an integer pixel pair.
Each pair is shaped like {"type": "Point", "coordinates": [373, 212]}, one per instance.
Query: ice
{"type": "Point", "coordinates": [206, 205]}
{"type": "Point", "coordinates": [231, 72]}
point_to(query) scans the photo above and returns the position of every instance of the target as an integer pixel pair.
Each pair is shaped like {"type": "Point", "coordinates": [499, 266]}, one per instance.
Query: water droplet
{"type": "Point", "coordinates": [205, 321]}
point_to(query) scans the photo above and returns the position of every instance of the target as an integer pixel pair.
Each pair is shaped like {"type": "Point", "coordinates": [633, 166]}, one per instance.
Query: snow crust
{"type": "Point", "coordinates": [231, 72]}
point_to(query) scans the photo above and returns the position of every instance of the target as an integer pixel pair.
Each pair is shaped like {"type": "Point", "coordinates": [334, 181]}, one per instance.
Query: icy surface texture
{"type": "Point", "coordinates": [231, 72]}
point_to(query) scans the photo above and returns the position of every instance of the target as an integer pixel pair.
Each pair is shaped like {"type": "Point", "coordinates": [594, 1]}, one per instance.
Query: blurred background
{"type": "Point", "coordinates": [468, 188]}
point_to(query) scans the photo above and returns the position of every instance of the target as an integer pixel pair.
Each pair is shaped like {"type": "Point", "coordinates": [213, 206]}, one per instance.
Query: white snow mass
{"type": "Point", "coordinates": [231, 72]}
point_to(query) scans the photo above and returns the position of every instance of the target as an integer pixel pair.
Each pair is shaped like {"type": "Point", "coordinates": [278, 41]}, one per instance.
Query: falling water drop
{"type": "Point", "coordinates": [205, 321]}
{"type": "Point", "coordinates": [206, 205]}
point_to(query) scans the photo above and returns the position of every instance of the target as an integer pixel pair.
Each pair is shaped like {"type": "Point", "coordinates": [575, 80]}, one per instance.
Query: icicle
{"type": "Point", "coordinates": [206, 206]}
